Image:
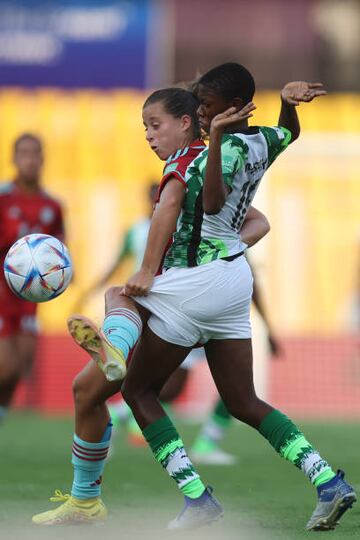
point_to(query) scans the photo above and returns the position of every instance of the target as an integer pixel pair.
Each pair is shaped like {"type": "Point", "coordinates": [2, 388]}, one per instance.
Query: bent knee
{"type": "Point", "coordinates": [78, 387]}
{"type": "Point", "coordinates": [133, 395]}
{"type": "Point", "coordinates": [83, 394]}
{"type": "Point", "coordinates": [113, 293]}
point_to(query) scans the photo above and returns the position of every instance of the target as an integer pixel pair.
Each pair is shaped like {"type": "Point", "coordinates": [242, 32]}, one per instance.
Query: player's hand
{"type": "Point", "coordinates": [231, 116]}
{"type": "Point", "coordinates": [301, 91]}
{"type": "Point", "coordinates": [140, 283]}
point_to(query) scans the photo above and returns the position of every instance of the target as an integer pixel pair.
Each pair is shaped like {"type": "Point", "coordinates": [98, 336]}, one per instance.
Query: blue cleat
{"type": "Point", "coordinates": [335, 497]}
{"type": "Point", "coordinates": [198, 512]}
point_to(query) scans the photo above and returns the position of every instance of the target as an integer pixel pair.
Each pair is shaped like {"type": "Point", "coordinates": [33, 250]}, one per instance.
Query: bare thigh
{"type": "Point", "coordinates": [230, 363]}
{"type": "Point", "coordinates": [153, 362]}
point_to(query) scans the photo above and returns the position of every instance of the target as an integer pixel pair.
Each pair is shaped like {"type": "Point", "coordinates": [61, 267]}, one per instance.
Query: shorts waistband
{"type": "Point", "coordinates": [232, 257]}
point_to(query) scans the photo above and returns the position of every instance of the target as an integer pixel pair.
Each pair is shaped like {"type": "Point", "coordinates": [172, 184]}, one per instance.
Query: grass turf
{"type": "Point", "coordinates": [263, 496]}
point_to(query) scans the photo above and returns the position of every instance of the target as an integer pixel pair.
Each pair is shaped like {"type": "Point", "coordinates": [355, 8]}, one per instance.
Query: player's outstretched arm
{"type": "Point", "coordinates": [255, 227]}
{"type": "Point", "coordinates": [163, 225]}
{"type": "Point", "coordinates": [214, 190]}
{"type": "Point", "coordinates": [292, 95]}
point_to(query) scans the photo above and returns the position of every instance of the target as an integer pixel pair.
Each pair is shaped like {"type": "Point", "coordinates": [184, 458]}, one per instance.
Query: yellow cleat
{"type": "Point", "coordinates": [109, 359]}
{"type": "Point", "coordinates": [72, 511]}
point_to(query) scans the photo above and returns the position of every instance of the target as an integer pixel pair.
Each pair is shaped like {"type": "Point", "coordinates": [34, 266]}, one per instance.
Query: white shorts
{"type": "Point", "coordinates": [193, 305]}
{"type": "Point", "coordinates": [194, 357]}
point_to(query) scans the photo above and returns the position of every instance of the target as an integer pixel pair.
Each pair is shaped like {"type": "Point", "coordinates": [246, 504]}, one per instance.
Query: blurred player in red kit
{"type": "Point", "coordinates": [25, 208]}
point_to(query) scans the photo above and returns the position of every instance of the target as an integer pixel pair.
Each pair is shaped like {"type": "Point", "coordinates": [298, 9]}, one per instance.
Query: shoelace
{"type": "Point", "coordinates": [59, 496]}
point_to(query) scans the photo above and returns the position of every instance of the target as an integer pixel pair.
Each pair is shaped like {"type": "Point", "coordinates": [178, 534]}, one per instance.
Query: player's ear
{"type": "Point", "coordinates": [186, 122]}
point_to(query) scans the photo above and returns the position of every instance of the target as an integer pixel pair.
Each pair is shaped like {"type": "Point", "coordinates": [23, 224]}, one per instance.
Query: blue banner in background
{"type": "Point", "coordinates": [74, 44]}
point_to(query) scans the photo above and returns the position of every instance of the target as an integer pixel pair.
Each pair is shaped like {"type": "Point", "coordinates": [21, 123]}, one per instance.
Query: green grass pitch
{"type": "Point", "coordinates": [264, 497]}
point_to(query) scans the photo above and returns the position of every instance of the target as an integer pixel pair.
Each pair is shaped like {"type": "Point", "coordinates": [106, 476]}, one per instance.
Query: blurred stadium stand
{"type": "Point", "coordinates": [278, 41]}
{"type": "Point", "coordinates": [318, 379]}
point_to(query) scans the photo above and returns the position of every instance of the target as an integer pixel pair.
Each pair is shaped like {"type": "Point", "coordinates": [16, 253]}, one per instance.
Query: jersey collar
{"type": "Point", "coordinates": [198, 144]}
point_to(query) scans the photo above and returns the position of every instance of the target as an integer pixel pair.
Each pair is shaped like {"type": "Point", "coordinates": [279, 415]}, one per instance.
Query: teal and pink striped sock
{"type": "Point", "coordinates": [88, 460]}
{"type": "Point", "coordinates": [122, 327]}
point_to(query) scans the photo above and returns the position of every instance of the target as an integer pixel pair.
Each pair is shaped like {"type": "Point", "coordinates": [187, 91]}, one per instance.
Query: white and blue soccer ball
{"type": "Point", "coordinates": [38, 267]}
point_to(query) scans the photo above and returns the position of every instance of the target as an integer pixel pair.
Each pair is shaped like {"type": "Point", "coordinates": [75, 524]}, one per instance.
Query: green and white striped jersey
{"type": "Point", "coordinates": [202, 238]}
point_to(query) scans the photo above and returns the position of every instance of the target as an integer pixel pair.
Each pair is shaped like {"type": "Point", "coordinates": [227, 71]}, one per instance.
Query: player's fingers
{"type": "Point", "coordinates": [311, 95]}
{"type": "Point", "coordinates": [230, 111]}
{"type": "Point", "coordinates": [130, 289]}
{"type": "Point", "coordinates": [250, 106]}
{"type": "Point", "coordinates": [239, 115]}
{"type": "Point", "coordinates": [139, 290]}
{"type": "Point", "coordinates": [247, 109]}
{"type": "Point", "coordinates": [292, 101]}
{"type": "Point", "coordinates": [315, 85]}
{"type": "Point", "coordinates": [243, 116]}
{"type": "Point", "coordinates": [126, 290]}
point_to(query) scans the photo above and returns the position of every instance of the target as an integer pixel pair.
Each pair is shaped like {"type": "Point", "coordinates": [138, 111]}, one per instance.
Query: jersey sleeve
{"type": "Point", "coordinates": [233, 156]}
{"type": "Point", "coordinates": [175, 169]}
{"type": "Point", "coordinates": [277, 140]}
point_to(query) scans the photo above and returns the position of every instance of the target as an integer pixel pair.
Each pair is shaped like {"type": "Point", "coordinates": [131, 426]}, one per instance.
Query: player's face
{"type": "Point", "coordinates": [28, 160]}
{"type": "Point", "coordinates": [164, 133]}
{"type": "Point", "coordinates": [211, 104]}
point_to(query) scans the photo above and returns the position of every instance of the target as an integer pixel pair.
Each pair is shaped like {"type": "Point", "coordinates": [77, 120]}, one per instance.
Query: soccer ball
{"type": "Point", "coordinates": [38, 267]}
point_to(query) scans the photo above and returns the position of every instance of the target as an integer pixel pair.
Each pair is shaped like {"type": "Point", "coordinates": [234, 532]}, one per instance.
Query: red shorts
{"type": "Point", "coordinates": [16, 316]}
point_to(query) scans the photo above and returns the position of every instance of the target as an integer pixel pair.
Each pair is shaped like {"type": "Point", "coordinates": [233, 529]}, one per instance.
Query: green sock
{"type": "Point", "coordinates": [291, 444]}
{"type": "Point", "coordinates": [214, 429]}
{"type": "Point", "coordinates": [169, 450]}
{"type": "Point", "coordinates": [132, 425]}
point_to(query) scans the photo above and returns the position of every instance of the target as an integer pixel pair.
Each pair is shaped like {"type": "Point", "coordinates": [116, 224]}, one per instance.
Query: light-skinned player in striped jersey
{"type": "Point", "coordinates": [204, 293]}
{"type": "Point", "coordinates": [91, 389]}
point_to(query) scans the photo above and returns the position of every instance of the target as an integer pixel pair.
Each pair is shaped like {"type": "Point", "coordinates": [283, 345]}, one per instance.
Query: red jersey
{"type": "Point", "coordinates": [24, 213]}
{"type": "Point", "coordinates": [177, 164]}
{"type": "Point", "coordinates": [176, 167]}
